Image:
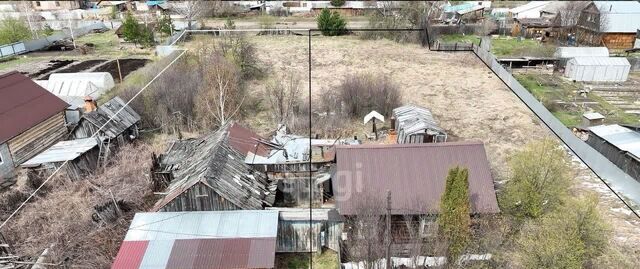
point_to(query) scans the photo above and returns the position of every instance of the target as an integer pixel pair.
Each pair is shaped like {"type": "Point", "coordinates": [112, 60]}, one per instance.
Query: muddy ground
{"type": "Point", "coordinates": [463, 94]}
{"type": "Point", "coordinates": [41, 69]}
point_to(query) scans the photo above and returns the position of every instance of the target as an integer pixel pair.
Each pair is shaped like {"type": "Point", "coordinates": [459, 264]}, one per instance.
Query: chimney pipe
{"type": "Point", "coordinates": [393, 123]}
{"type": "Point", "coordinates": [89, 104]}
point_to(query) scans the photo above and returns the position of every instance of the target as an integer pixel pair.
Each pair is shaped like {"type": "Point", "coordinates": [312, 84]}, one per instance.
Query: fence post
{"type": "Point", "coordinates": [455, 47]}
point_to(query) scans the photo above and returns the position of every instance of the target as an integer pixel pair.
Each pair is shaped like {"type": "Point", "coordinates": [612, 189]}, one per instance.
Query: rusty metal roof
{"type": "Point", "coordinates": [414, 173]}
{"type": "Point", "coordinates": [245, 140]}
{"type": "Point", "coordinates": [204, 239]}
{"type": "Point", "coordinates": [24, 104]}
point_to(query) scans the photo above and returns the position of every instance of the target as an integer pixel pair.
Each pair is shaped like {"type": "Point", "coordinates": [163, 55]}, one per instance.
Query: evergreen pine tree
{"type": "Point", "coordinates": [131, 29]}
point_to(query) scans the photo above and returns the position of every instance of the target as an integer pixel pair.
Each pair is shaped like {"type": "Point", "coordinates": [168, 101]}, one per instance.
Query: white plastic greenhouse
{"type": "Point", "coordinates": [102, 80]}
{"type": "Point", "coordinates": [598, 69]}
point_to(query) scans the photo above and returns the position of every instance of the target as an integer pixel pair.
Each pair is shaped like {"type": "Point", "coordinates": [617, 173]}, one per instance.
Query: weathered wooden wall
{"type": "Point", "coordinates": [619, 40]}
{"type": "Point", "coordinates": [294, 192]}
{"type": "Point", "coordinates": [293, 236]}
{"type": "Point", "coordinates": [37, 139]}
{"type": "Point", "coordinates": [198, 198]}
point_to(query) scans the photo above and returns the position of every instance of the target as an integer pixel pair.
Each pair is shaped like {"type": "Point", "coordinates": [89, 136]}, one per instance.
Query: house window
{"type": "Point", "coordinates": [428, 228]}
{"type": "Point", "coordinates": [57, 3]}
{"type": "Point", "coordinates": [37, 3]}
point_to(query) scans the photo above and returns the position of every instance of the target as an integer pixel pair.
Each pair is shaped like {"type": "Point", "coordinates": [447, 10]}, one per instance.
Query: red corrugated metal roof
{"type": "Point", "coordinates": [414, 173]}
{"type": "Point", "coordinates": [130, 255]}
{"type": "Point", "coordinates": [244, 140]}
{"type": "Point", "coordinates": [223, 253]}
{"type": "Point", "coordinates": [24, 104]}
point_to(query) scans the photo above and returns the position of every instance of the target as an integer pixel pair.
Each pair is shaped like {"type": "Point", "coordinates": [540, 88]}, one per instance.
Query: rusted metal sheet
{"type": "Point", "coordinates": [414, 173]}
{"type": "Point", "coordinates": [245, 140]}
{"type": "Point", "coordinates": [130, 255]}
{"type": "Point", "coordinates": [24, 104]}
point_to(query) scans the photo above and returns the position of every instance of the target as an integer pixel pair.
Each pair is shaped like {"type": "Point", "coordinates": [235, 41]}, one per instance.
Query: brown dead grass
{"type": "Point", "coordinates": [61, 218]}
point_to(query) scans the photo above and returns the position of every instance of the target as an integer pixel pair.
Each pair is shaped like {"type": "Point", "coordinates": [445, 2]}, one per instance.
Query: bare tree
{"type": "Point", "coordinates": [283, 98]}
{"type": "Point", "coordinates": [366, 232]}
{"type": "Point", "coordinates": [193, 10]}
{"type": "Point", "coordinates": [570, 12]}
{"type": "Point", "coordinates": [221, 96]}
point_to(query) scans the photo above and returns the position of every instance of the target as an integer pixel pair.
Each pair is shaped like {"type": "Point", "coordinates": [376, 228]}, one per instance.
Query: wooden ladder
{"type": "Point", "coordinates": [104, 152]}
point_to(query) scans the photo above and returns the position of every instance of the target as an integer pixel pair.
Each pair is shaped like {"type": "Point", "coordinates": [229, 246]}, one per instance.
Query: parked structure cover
{"type": "Point", "coordinates": [598, 69]}
{"type": "Point", "coordinates": [205, 239]}
{"type": "Point", "coordinates": [102, 80]}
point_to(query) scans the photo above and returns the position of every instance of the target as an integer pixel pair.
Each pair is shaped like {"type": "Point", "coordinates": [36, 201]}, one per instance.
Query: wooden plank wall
{"type": "Point", "coordinates": [295, 193]}
{"type": "Point", "coordinates": [37, 139]}
{"type": "Point", "coordinates": [293, 236]}
{"type": "Point", "coordinates": [619, 40]}
{"type": "Point", "coordinates": [199, 198]}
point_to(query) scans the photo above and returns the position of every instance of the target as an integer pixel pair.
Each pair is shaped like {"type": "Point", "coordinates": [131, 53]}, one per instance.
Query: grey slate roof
{"type": "Point", "coordinates": [212, 160]}
{"type": "Point", "coordinates": [121, 122]}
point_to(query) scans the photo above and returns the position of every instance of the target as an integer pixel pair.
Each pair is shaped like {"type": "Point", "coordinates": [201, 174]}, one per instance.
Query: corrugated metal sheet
{"type": "Point", "coordinates": [621, 16]}
{"type": "Point", "coordinates": [63, 151]}
{"type": "Point", "coordinates": [130, 255]}
{"type": "Point", "coordinates": [623, 138]}
{"type": "Point", "coordinates": [529, 6]}
{"type": "Point", "coordinates": [244, 140]}
{"type": "Point", "coordinates": [206, 239]}
{"type": "Point", "coordinates": [607, 61]}
{"type": "Point", "coordinates": [414, 173]}
{"type": "Point", "coordinates": [412, 122]}
{"type": "Point", "coordinates": [24, 104]}
{"type": "Point", "coordinates": [571, 52]}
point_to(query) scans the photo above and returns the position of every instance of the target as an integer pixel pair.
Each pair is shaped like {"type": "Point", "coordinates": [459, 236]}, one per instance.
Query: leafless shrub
{"type": "Point", "coordinates": [62, 220]}
{"type": "Point", "coordinates": [366, 232]}
{"type": "Point", "coordinates": [362, 93]}
{"type": "Point", "coordinates": [238, 50]}
{"type": "Point", "coordinates": [283, 97]}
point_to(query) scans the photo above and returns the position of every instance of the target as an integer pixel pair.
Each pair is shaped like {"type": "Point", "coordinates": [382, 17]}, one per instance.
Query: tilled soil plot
{"type": "Point", "coordinates": [463, 94]}
{"type": "Point", "coordinates": [126, 66]}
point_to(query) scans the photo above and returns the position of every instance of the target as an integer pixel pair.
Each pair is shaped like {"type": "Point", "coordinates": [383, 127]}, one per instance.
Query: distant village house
{"type": "Point", "coordinates": [613, 24]}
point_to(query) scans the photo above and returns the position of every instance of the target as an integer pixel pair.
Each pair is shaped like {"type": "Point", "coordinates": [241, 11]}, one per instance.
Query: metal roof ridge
{"type": "Point", "coordinates": [412, 145]}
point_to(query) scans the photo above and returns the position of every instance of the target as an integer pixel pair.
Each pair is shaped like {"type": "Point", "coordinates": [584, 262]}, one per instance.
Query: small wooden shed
{"type": "Point", "coordinates": [122, 128]}
{"type": "Point", "coordinates": [81, 154]}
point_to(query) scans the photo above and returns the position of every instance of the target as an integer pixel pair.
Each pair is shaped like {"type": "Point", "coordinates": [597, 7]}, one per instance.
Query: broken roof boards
{"type": "Point", "coordinates": [215, 169]}
{"type": "Point", "coordinates": [206, 239]}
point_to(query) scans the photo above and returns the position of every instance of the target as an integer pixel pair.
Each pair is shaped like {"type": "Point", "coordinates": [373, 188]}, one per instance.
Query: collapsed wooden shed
{"type": "Point", "coordinates": [81, 154]}
{"type": "Point", "coordinates": [209, 174]}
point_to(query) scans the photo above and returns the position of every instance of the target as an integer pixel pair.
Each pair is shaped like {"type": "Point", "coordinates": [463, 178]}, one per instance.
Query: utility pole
{"type": "Point", "coordinates": [27, 10]}
{"type": "Point", "coordinates": [119, 72]}
{"type": "Point", "coordinates": [388, 231]}
{"type": "Point", "coordinates": [71, 31]}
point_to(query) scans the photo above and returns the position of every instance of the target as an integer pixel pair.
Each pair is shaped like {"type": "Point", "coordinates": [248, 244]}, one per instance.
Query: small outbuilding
{"type": "Point", "coordinates": [301, 230]}
{"type": "Point", "coordinates": [415, 124]}
{"type": "Point", "coordinates": [122, 128]}
{"type": "Point", "coordinates": [244, 239]}
{"type": "Point", "coordinates": [592, 119]}
{"type": "Point", "coordinates": [72, 91]}
{"type": "Point", "coordinates": [619, 144]}
{"type": "Point", "coordinates": [31, 120]}
{"type": "Point", "coordinates": [81, 154]}
{"type": "Point", "coordinates": [564, 54]}
{"type": "Point", "coordinates": [598, 69]}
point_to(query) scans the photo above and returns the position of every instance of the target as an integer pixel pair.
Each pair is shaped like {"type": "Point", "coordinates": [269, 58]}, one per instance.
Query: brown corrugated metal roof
{"type": "Point", "coordinates": [223, 253]}
{"type": "Point", "coordinates": [414, 173]}
{"type": "Point", "coordinates": [244, 140]}
{"type": "Point", "coordinates": [24, 104]}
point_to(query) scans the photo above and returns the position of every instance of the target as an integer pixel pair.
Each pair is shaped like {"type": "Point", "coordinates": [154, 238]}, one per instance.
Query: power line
{"type": "Point", "coordinates": [95, 134]}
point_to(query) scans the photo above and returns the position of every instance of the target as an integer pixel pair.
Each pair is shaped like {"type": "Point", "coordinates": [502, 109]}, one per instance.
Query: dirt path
{"type": "Point", "coordinates": [464, 95]}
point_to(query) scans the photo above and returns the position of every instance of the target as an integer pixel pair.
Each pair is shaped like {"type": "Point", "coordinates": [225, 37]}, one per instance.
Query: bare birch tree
{"type": "Point", "coordinates": [366, 233]}
{"type": "Point", "coordinates": [222, 96]}
{"type": "Point", "coordinates": [193, 10]}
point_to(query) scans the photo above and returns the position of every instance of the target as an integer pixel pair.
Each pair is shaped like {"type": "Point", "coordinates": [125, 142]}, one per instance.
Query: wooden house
{"type": "Point", "coordinates": [81, 156]}
{"type": "Point", "coordinates": [613, 24]}
{"type": "Point", "coordinates": [122, 128]}
{"type": "Point", "coordinates": [31, 120]}
{"type": "Point", "coordinates": [208, 173]}
{"type": "Point", "coordinates": [415, 179]}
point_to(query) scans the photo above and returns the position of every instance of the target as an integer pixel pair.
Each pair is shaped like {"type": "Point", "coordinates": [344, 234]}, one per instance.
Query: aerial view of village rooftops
{"type": "Point", "coordinates": [319, 134]}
